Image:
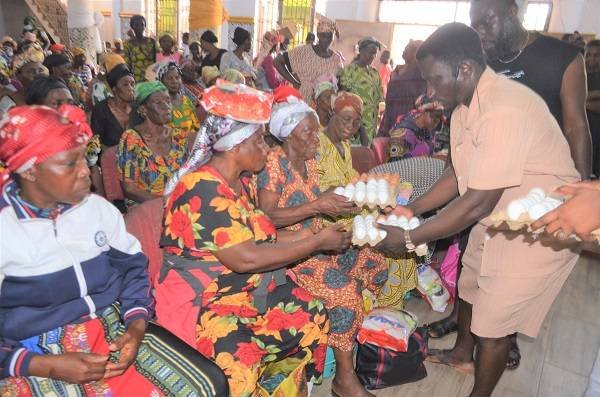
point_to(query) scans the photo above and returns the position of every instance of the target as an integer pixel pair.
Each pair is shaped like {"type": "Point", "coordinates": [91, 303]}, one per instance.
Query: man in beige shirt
{"type": "Point", "coordinates": [504, 142]}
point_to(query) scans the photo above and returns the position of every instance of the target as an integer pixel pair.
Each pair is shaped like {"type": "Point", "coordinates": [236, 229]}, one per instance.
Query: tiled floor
{"type": "Point", "coordinates": [555, 364]}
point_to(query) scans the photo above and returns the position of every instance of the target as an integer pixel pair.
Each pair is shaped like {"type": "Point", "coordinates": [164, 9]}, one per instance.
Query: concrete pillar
{"type": "Point", "coordinates": [116, 19]}
{"type": "Point", "coordinates": [82, 29]}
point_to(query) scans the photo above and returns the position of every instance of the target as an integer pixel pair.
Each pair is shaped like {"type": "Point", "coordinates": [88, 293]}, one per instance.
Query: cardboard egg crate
{"type": "Point", "coordinates": [392, 188]}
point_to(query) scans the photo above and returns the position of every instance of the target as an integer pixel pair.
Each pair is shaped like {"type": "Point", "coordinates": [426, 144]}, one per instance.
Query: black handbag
{"type": "Point", "coordinates": [378, 367]}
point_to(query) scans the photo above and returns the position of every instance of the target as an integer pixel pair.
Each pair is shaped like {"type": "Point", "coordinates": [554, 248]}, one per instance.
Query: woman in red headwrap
{"type": "Point", "coordinates": [223, 286]}
{"type": "Point", "coordinates": [74, 292]}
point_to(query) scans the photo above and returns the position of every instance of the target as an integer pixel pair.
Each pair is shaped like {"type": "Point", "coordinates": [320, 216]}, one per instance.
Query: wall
{"type": "Point", "coordinates": [356, 10]}
{"type": "Point", "coordinates": [14, 11]}
{"type": "Point", "coordinates": [237, 9]}
{"type": "Point", "coordinates": [581, 15]}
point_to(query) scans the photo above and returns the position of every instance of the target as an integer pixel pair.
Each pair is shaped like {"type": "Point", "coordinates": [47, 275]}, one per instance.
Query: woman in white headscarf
{"type": "Point", "coordinates": [223, 284]}
{"type": "Point", "coordinates": [289, 194]}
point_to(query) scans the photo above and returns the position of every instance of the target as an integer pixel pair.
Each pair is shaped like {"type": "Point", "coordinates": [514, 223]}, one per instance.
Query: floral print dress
{"type": "Point", "coordinates": [338, 280]}
{"type": "Point", "coordinates": [150, 172]}
{"type": "Point", "coordinates": [205, 215]}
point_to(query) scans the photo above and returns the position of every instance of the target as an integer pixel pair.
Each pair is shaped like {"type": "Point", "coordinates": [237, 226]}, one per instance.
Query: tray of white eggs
{"type": "Point", "coordinates": [374, 190]}
{"type": "Point", "coordinates": [406, 224]}
{"type": "Point", "coordinates": [366, 232]}
{"type": "Point", "coordinates": [522, 212]}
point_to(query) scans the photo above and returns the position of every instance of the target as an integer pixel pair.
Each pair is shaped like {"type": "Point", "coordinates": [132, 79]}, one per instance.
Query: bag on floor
{"type": "Point", "coordinates": [388, 328]}
{"type": "Point", "coordinates": [432, 288]}
{"type": "Point", "coordinates": [449, 268]}
{"type": "Point", "coordinates": [285, 378]}
{"type": "Point", "coordinates": [378, 368]}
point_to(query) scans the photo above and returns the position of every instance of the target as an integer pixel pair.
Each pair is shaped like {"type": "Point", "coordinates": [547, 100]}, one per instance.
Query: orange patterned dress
{"type": "Point", "coordinates": [338, 280]}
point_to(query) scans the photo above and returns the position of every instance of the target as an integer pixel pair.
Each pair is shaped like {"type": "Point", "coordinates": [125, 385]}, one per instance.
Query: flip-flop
{"type": "Point", "coordinates": [441, 328]}
{"type": "Point", "coordinates": [465, 368]}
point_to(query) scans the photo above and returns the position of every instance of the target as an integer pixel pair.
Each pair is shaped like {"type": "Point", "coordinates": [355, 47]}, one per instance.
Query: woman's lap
{"type": "Point", "coordinates": [165, 366]}
{"type": "Point", "coordinates": [338, 281]}
{"type": "Point", "coordinates": [241, 341]}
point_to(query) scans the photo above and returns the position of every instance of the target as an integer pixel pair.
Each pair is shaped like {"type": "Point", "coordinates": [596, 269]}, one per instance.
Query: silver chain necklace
{"type": "Point", "coordinates": [518, 53]}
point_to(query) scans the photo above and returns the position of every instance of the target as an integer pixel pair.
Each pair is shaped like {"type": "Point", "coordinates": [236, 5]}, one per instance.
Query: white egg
{"type": "Point", "coordinates": [339, 191]}
{"type": "Point", "coordinates": [349, 192]}
{"type": "Point", "coordinates": [361, 186]}
{"type": "Point", "coordinates": [527, 202]}
{"type": "Point", "coordinates": [382, 184]}
{"type": "Point", "coordinates": [371, 196]}
{"type": "Point", "coordinates": [360, 233]}
{"type": "Point", "coordinates": [413, 223]}
{"type": "Point", "coordinates": [358, 221]}
{"type": "Point", "coordinates": [536, 198]}
{"type": "Point", "coordinates": [373, 233]}
{"type": "Point", "coordinates": [382, 220]}
{"type": "Point", "coordinates": [538, 191]}
{"type": "Point", "coordinates": [553, 202]}
{"type": "Point", "coordinates": [372, 184]}
{"type": "Point", "coordinates": [392, 219]}
{"type": "Point", "coordinates": [515, 209]}
{"type": "Point", "coordinates": [383, 196]}
{"type": "Point", "coordinates": [360, 195]}
{"type": "Point", "coordinates": [537, 211]}
{"type": "Point", "coordinates": [369, 220]}
{"type": "Point", "coordinates": [382, 234]}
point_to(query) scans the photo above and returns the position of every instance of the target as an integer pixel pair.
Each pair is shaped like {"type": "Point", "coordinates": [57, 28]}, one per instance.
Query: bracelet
{"type": "Point", "coordinates": [408, 242]}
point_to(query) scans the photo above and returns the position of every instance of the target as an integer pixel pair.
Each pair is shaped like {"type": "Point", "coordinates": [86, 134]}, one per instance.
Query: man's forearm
{"type": "Point", "coordinates": [580, 143]}
{"type": "Point", "coordinates": [442, 192]}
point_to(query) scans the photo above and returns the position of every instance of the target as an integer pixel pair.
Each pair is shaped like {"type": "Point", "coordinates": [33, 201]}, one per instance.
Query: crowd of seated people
{"type": "Point", "coordinates": [243, 156]}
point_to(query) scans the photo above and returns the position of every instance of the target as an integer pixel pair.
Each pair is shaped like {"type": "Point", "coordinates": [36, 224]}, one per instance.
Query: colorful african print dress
{"type": "Point", "coordinates": [338, 280]}
{"type": "Point", "coordinates": [335, 170]}
{"type": "Point", "coordinates": [150, 172]}
{"type": "Point", "coordinates": [366, 83]}
{"type": "Point", "coordinates": [184, 116]}
{"type": "Point", "coordinates": [217, 310]}
{"type": "Point", "coordinates": [139, 57]}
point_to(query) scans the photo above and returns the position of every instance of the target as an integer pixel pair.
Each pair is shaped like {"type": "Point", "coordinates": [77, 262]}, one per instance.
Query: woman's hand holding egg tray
{"type": "Point", "coordinates": [375, 190]}
{"type": "Point", "coordinates": [522, 212]}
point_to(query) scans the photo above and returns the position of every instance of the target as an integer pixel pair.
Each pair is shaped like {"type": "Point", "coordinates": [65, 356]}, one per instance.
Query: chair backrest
{"type": "Point", "coordinates": [363, 159]}
{"type": "Point", "coordinates": [381, 147]}
{"type": "Point", "coordinates": [422, 172]}
{"type": "Point", "coordinates": [110, 175]}
{"type": "Point", "coordinates": [144, 222]}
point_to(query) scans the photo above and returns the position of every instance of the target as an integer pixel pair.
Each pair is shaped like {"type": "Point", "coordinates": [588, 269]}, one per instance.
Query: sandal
{"type": "Point", "coordinates": [514, 355]}
{"type": "Point", "coordinates": [441, 328]}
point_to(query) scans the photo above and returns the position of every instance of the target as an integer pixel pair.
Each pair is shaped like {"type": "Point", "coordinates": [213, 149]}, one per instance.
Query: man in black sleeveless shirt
{"type": "Point", "coordinates": [554, 69]}
{"type": "Point", "coordinates": [592, 64]}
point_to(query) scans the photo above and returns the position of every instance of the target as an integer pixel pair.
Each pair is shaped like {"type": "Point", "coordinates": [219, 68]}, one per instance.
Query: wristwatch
{"type": "Point", "coordinates": [408, 242]}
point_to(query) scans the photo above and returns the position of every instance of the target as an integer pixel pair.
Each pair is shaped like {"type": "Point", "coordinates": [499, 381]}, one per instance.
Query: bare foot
{"type": "Point", "coordinates": [346, 384]}
{"type": "Point", "coordinates": [451, 359]}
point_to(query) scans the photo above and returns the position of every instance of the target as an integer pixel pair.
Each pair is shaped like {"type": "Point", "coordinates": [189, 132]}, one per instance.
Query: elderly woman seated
{"type": "Point", "coordinates": [75, 295]}
{"type": "Point", "coordinates": [413, 134]}
{"type": "Point", "coordinates": [150, 152]}
{"type": "Point", "coordinates": [289, 193]}
{"type": "Point", "coordinates": [223, 286]}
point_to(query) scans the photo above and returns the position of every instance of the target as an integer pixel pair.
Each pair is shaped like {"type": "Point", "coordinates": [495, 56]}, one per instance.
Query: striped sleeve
{"type": "Point", "coordinates": [14, 359]}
